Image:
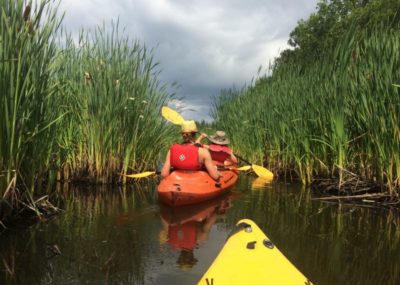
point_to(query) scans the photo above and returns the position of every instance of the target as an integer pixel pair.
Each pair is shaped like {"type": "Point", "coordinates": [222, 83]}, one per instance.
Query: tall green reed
{"type": "Point", "coordinates": [336, 115]}
{"type": "Point", "coordinates": [27, 120]}
{"type": "Point", "coordinates": [115, 95]}
{"type": "Point", "coordinates": [75, 108]}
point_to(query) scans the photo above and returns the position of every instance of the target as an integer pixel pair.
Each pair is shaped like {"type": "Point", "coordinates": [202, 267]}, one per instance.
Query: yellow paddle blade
{"type": "Point", "coordinates": [141, 175]}
{"type": "Point", "coordinates": [262, 172]}
{"type": "Point", "coordinates": [244, 168]}
{"type": "Point", "coordinates": [172, 115]}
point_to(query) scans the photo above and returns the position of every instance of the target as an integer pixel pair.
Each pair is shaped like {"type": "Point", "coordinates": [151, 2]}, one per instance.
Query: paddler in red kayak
{"type": "Point", "coordinates": [219, 149]}
{"type": "Point", "coordinates": [188, 156]}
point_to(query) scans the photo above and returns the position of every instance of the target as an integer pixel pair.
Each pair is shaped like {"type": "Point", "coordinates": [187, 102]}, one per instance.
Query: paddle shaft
{"type": "Point", "coordinates": [242, 159]}
{"type": "Point", "coordinates": [243, 168]}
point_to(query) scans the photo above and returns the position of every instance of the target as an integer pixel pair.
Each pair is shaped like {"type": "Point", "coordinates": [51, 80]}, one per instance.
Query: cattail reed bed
{"type": "Point", "coordinates": [336, 115]}
{"type": "Point", "coordinates": [72, 108]}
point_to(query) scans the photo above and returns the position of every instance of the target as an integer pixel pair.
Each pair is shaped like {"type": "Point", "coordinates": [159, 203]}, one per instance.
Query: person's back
{"type": "Point", "coordinates": [187, 156]}
{"type": "Point", "coordinates": [220, 153]}
{"type": "Point", "coordinates": [219, 149]}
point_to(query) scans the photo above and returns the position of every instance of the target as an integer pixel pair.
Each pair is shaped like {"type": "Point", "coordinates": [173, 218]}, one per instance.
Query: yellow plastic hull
{"type": "Point", "coordinates": [249, 257]}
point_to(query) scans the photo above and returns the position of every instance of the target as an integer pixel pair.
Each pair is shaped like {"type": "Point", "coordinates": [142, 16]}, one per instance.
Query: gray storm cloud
{"type": "Point", "coordinates": [203, 45]}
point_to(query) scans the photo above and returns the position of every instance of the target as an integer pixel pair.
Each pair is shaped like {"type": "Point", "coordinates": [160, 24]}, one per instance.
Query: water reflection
{"type": "Point", "coordinates": [123, 236]}
{"type": "Point", "coordinates": [329, 243]}
{"type": "Point", "coordinates": [187, 227]}
{"type": "Point", "coordinates": [260, 183]}
{"type": "Point", "coordinates": [95, 248]}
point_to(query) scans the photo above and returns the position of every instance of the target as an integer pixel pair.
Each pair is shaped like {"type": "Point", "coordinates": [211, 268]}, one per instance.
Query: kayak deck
{"type": "Point", "coordinates": [190, 187]}
{"type": "Point", "coordinates": [249, 257]}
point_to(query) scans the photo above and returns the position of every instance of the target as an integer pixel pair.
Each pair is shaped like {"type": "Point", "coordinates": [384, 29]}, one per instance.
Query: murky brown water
{"type": "Point", "coordinates": [112, 236]}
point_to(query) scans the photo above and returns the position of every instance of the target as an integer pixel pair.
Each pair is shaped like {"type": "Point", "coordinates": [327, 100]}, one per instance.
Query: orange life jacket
{"type": "Point", "coordinates": [220, 152]}
{"type": "Point", "coordinates": [184, 157]}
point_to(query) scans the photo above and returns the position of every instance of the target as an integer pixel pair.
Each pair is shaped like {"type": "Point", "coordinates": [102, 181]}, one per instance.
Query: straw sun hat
{"type": "Point", "coordinates": [219, 138]}
{"type": "Point", "coordinates": [189, 127]}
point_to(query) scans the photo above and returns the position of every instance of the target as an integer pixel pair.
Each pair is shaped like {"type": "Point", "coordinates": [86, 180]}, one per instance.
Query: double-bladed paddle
{"type": "Point", "coordinates": [175, 118]}
{"type": "Point", "coordinates": [149, 173]}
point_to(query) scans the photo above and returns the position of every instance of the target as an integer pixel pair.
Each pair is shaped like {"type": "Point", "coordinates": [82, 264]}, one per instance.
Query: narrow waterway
{"type": "Point", "coordinates": [117, 236]}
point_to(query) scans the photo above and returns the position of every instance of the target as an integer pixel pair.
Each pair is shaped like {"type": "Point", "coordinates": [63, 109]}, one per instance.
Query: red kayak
{"type": "Point", "coordinates": [190, 187]}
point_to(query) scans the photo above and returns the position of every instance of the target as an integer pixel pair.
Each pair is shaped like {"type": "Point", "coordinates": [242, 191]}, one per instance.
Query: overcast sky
{"type": "Point", "coordinates": [203, 45]}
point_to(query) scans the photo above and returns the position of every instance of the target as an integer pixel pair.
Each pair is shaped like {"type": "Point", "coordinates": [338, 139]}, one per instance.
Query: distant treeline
{"type": "Point", "coordinates": [330, 105]}
{"type": "Point", "coordinates": [320, 34]}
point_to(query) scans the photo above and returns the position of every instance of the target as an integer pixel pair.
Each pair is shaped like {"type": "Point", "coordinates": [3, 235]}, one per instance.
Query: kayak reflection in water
{"type": "Point", "coordinates": [186, 236]}
{"type": "Point", "coordinates": [186, 227]}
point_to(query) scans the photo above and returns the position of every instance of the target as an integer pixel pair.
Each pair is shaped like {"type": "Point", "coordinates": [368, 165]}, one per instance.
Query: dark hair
{"type": "Point", "coordinates": [189, 137]}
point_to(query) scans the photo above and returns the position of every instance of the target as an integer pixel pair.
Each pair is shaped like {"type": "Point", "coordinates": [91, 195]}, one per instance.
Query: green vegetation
{"type": "Point", "coordinates": [72, 108]}
{"type": "Point", "coordinates": [88, 107]}
{"type": "Point", "coordinates": [28, 119]}
{"type": "Point", "coordinates": [320, 33]}
{"type": "Point", "coordinates": [330, 108]}
{"type": "Point", "coordinates": [114, 122]}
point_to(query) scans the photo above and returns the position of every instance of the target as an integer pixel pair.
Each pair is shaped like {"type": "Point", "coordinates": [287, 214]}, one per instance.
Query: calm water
{"type": "Point", "coordinates": [112, 236]}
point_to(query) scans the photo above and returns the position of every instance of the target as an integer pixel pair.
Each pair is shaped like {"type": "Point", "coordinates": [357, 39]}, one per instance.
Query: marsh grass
{"type": "Point", "coordinates": [27, 121]}
{"type": "Point", "coordinates": [73, 109]}
{"type": "Point", "coordinates": [114, 124]}
{"type": "Point", "coordinates": [340, 113]}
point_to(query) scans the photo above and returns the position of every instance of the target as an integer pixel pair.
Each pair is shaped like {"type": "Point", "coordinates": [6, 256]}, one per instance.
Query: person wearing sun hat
{"type": "Point", "coordinates": [219, 149]}
{"type": "Point", "coordinates": [188, 156]}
